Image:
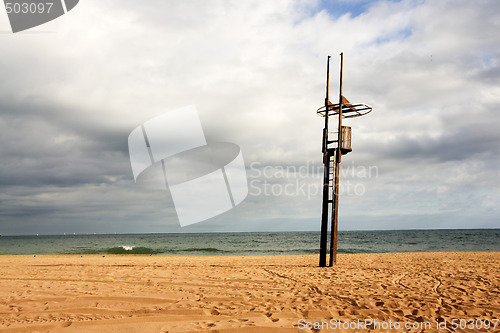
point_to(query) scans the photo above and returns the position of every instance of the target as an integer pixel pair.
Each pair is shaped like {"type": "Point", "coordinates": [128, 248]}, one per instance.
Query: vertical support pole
{"type": "Point", "coordinates": [326, 163]}
{"type": "Point", "coordinates": [335, 208]}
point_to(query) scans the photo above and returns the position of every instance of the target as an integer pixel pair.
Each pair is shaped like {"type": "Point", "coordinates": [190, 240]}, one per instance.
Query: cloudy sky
{"type": "Point", "coordinates": [72, 90]}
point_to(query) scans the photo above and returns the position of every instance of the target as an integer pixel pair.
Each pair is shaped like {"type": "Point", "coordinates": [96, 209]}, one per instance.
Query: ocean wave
{"type": "Point", "coordinates": [130, 250]}
{"type": "Point", "coordinates": [125, 249]}
{"type": "Point", "coordinates": [198, 249]}
{"type": "Point", "coordinates": [351, 251]}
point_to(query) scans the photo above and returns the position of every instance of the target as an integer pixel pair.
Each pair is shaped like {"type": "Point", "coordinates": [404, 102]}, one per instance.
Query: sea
{"type": "Point", "coordinates": [255, 243]}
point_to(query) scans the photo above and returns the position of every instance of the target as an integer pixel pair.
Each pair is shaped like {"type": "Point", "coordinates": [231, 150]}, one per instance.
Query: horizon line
{"type": "Point", "coordinates": [234, 232]}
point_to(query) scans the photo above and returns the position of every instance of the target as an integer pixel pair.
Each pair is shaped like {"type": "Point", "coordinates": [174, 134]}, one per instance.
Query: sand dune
{"type": "Point", "coordinates": [249, 293]}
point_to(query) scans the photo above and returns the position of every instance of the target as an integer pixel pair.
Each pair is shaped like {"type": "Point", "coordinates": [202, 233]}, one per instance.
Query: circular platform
{"type": "Point", "coordinates": [348, 110]}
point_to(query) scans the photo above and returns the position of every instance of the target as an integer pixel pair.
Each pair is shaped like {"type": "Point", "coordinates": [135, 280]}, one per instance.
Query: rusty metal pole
{"type": "Point", "coordinates": [326, 162]}
{"type": "Point", "coordinates": [335, 208]}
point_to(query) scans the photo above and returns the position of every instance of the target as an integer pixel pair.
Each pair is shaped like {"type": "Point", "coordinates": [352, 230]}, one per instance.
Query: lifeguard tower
{"type": "Point", "coordinates": [335, 144]}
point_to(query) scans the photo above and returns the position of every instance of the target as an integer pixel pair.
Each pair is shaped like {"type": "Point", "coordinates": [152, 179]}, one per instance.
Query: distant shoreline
{"type": "Point", "coordinates": [103, 255]}
{"type": "Point", "coordinates": [232, 232]}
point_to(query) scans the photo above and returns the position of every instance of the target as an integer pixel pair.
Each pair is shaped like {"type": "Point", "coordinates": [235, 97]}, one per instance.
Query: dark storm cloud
{"type": "Point", "coordinates": [464, 143]}
{"type": "Point", "coordinates": [45, 145]}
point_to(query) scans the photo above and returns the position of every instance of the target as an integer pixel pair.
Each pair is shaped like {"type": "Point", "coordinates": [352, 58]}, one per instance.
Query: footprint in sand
{"type": "Point", "coordinates": [64, 324]}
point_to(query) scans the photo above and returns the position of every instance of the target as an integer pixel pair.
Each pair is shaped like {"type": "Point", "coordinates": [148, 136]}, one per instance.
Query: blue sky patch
{"type": "Point", "coordinates": [355, 8]}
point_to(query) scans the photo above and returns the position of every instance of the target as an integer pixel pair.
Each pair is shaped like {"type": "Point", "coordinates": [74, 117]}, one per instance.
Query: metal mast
{"type": "Point", "coordinates": [326, 175]}
{"type": "Point", "coordinates": [338, 153]}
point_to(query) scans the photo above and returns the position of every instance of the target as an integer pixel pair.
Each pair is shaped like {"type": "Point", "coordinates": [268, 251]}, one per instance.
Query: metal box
{"type": "Point", "coordinates": [346, 140]}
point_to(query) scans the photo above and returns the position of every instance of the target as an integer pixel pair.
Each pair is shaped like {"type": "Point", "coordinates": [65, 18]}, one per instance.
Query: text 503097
{"type": "Point", "coordinates": [28, 7]}
{"type": "Point", "coordinates": [474, 324]}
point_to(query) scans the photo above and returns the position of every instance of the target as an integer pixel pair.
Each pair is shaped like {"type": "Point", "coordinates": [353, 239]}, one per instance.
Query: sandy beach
{"type": "Point", "coordinates": [383, 292]}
